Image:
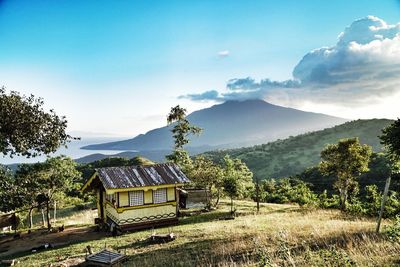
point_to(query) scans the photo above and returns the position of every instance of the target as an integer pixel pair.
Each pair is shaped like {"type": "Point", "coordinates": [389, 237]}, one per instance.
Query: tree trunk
{"type": "Point", "coordinates": [232, 205]}
{"type": "Point", "coordinates": [218, 196]}
{"type": "Point", "coordinates": [43, 219]}
{"type": "Point", "coordinates": [207, 202]}
{"type": "Point", "coordinates": [48, 215]}
{"type": "Point", "coordinates": [258, 195]}
{"type": "Point", "coordinates": [55, 212]}
{"type": "Point", "coordinates": [343, 198]}
{"type": "Point", "coordinates": [30, 220]}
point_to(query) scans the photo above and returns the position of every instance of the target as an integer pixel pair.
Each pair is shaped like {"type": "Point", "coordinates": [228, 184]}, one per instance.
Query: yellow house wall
{"type": "Point", "coordinates": [112, 212]}
{"type": "Point", "coordinates": [128, 215]}
{"type": "Point", "coordinates": [123, 199]}
{"type": "Point", "coordinates": [170, 194]}
{"type": "Point", "coordinates": [169, 209]}
{"type": "Point", "coordinates": [98, 203]}
{"type": "Point", "coordinates": [148, 196]}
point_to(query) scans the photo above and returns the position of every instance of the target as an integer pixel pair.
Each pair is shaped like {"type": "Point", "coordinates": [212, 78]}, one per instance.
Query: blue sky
{"type": "Point", "coordinates": [116, 67]}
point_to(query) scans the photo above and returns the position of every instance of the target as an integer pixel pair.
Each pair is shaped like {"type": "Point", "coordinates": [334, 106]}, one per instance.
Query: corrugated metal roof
{"type": "Point", "coordinates": [138, 176]}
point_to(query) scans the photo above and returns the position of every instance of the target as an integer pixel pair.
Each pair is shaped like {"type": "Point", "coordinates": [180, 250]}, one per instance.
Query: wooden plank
{"type": "Point", "coordinates": [105, 257]}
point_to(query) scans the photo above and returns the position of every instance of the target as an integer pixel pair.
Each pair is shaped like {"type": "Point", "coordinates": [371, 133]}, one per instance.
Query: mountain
{"type": "Point", "coordinates": [231, 124]}
{"type": "Point", "coordinates": [293, 155]}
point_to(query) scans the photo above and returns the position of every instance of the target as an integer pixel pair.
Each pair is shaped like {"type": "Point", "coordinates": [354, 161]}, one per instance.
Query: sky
{"type": "Point", "coordinates": [115, 68]}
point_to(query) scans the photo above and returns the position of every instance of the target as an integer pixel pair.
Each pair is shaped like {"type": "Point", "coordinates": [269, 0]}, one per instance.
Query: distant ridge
{"type": "Point", "coordinates": [293, 155]}
{"type": "Point", "coordinates": [232, 124]}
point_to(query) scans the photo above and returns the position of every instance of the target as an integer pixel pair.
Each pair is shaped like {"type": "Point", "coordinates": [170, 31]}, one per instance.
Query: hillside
{"type": "Point", "coordinates": [279, 235]}
{"type": "Point", "coordinates": [232, 124]}
{"type": "Point", "coordinates": [293, 155]}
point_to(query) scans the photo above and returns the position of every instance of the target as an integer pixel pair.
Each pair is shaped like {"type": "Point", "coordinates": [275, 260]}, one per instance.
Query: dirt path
{"type": "Point", "coordinates": [10, 246]}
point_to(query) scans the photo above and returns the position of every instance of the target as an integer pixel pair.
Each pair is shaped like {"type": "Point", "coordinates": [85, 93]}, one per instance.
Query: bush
{"type": "Point", "coordinates": [356, 207]}
{"type": "Point", "coordinates": [326, 202]}
{"type": "Point", "coordinates": [393, 231]}
{"type": "Point", "coordinates": [287, 191]}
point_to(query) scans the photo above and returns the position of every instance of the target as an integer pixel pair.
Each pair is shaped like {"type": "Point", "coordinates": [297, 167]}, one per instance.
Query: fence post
{"type": "Point", "coordinates": [384, 197]}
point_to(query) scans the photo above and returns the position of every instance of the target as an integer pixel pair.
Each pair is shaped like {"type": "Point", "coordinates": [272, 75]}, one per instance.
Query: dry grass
{"type": "Point", "coordinates": [281, 235]}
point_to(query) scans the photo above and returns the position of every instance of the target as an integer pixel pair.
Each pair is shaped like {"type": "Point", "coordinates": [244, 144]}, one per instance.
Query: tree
{"type": "Point", "coordinates": [10, 198]}
{"type": "Point", "coordinates": [208, 175]}
{"type": "Point", "coordinates": [390, 139]}
{"type": "Point", "coordinates": [38, 184]}
{"type": "Point", "coordinates": [180, 132]}
{"type": "Point", "coordinates": [26, 128]}
{"type": "Point", "coordinates": [346, 160]}
{"type": "Point", "coordinates": [29, 182]}
{"type": "Point", "coordinates": [237, 180]}
{"type": "Point", "coordinates": [60, 175]}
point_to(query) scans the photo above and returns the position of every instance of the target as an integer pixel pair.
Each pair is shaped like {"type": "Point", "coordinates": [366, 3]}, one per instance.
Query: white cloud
{"type": "Point", "coordinates": [361, 69]}
{"type": "Point", "coordinates": [222, 54]}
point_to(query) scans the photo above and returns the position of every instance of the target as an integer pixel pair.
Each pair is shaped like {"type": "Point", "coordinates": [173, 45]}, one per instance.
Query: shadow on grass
{"type": "Point", "coordinates": [206, 252]}
{"type": "Point", "coordinates": [82, 234]}
{"type": "Point", "coordinates": [244, 250]}
{"type": "Point", "coordinates": [343, 241]}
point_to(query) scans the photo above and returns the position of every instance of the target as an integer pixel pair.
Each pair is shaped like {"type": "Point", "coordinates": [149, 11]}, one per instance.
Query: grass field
{"type": "Point", "coordinates": [280, 235]}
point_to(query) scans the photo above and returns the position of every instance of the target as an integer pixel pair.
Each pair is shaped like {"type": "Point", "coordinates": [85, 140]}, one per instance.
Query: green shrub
{"type": "Point", "coordinates": [356, 207]}
{"type": "Point", "coordinates": [328, 202]}
{"type": "Point", "coordinates": [393, 231]}
{"type": "Point", "coordinates": [287, 191]}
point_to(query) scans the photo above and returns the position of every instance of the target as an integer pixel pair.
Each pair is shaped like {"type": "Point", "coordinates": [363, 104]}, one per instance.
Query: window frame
{"type": "Point", "coordinates": [155, 194]}
{"type": "Point", "coordinates": [130, 198]}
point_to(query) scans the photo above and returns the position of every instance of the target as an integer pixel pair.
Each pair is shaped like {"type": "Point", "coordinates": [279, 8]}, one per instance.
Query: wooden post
{"type": "Point", "coordinates": [384, 197]}
{"type": "Point", "coordinates": [258, 194]}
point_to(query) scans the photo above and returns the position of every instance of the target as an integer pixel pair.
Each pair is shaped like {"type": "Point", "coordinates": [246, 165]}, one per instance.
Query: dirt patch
{"type": "Point", "coordinates": [27, 241]}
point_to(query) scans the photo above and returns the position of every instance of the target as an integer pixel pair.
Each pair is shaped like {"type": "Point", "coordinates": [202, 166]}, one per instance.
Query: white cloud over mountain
{"type": "Point", "coordinates": [361, 68]}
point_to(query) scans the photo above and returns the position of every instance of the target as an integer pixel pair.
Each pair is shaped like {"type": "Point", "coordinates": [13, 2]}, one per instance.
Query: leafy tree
{"type": "Point", "coordinates": [29, 182]}
{"type": "Point", "coordinates": [237, 180]}
{"type": "Point", "coordinates": [390, 139]}
{"type": "Point", "coordinates": [41, 183]}
{"type": "Point", "coordinates": [10, 198]}
{"type": "Point", "coordinates": [26, 129]}
{"type": "Point", "coordinates": [208, 175]}
{"type": "Point", "coordinates": [346, 160]}
{"type": "Point", "coordinates": [59, 176]}
{"type": "Point", "coordinates": [180, 132]}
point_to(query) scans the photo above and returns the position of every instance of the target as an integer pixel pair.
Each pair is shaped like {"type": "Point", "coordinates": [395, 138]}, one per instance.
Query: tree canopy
{"type": "Point", "coordinates": [390, 138]}
{"type": "Point", "coordinates": [346, 160]}
{"type": "Point", "coordinates": [237, 180]}
{"type": "Point", "coordinates": [26, 128]}
{"type": "Point", "coordinates": [181, 131]}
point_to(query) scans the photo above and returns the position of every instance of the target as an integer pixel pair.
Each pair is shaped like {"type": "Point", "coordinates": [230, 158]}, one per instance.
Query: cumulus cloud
{"type": "Point", "coordinates": [366, 49]}
{"type": "Point", "coordinates": [363, 66]}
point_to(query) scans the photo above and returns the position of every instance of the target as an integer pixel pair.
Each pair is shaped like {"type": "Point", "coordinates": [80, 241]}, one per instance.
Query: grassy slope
{"type": "Point", "coordinates": [291, 156]}
{"type": "Point", "coordinates": [283, 235]}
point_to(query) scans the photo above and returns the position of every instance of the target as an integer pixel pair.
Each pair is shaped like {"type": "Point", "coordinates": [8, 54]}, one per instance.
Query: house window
{"type": "Point", "coordinates": [160, 195]}
{"type": "Point", "coordinates": [136, 198]}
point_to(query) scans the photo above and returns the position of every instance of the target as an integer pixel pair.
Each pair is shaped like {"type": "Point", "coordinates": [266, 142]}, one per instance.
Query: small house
{"type": "Point", "coordinates": [134, 197]}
